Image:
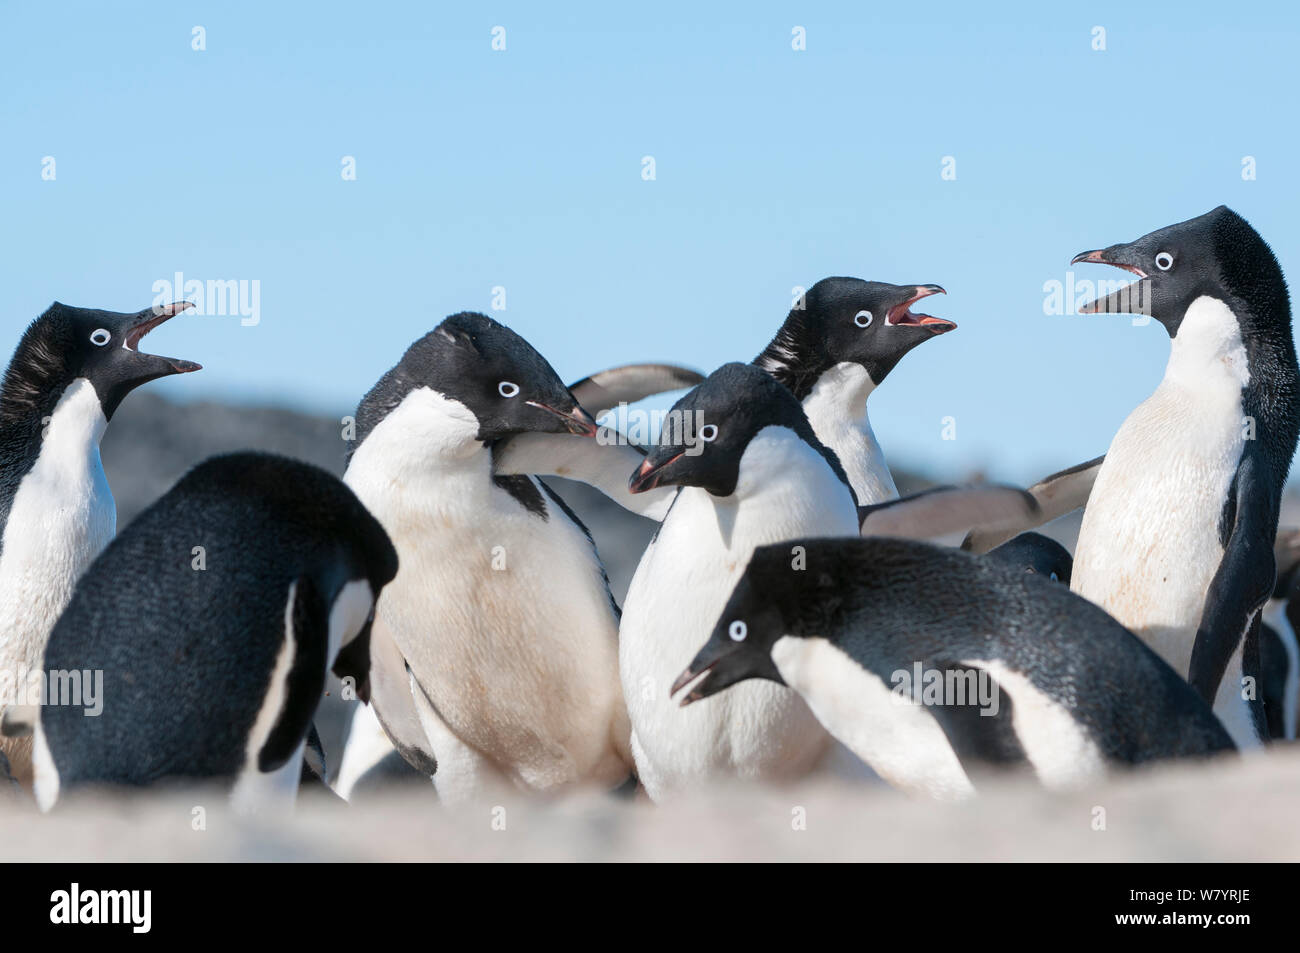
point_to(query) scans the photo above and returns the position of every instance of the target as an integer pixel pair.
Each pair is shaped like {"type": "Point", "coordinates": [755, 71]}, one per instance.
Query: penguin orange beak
{"type": "Point", "coordinates": [578, 421]}
{"type": "Point", "coordinates": [901, 313]}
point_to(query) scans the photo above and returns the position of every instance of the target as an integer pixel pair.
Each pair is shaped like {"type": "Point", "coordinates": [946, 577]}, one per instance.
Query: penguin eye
{"type": "Point", "coordinates": [100, 336]}
{"type": "Point", "coordinates": [738, 630]}
{"type": "Point", "coordinates": [507, 389]}
{"type": "Point", "coordinates": [863, 319]}
{"type": "Point", "coordinates": [708, 433]}
{"type": "Point", "coordinates": [1164, 261]}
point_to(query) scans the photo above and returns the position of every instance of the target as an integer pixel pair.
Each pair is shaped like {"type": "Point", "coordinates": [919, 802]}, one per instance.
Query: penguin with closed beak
{"type": "Point", "coordinates": [70, 371]}
{"type": "Point", "coordinates": [1177, 537]}
{"type": "Point", "coordinates": [494, 651]}
{"type": "Point", "coordinates": [212, 622]}
{"type": "Point", "coordinates": [1015, 669]}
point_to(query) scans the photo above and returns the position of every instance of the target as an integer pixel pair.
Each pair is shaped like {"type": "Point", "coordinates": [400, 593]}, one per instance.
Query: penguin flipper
{"type": "Point", "coordinates": [947, 509]}
{"type": "Point", "coordinates": [605, 463]}
{"type": "Point", "coordinates": [394, 707]}
{"type": "Point", "coordinates": [305, 680]}
{"type": "Point", "coordinates": [983, 739]}
{"type": "Point", "coordinates": [630, 383]}
{"type": "Point", "coordinates": [1055, 495]}
{"type": "Point", "coordinates": [1243, 581]}
{"type": "Point", "coordinates": [18, 721]}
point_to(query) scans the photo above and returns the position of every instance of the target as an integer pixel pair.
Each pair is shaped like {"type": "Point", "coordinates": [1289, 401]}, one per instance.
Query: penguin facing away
{"type": "Point", "coordinates": [69, 373]}
{"type": "Point", "coordinates": [851, 626]}
{"type": "Point", "coordinates": [750, 471]}
{"type": "Point", "coordinates": [835, 350]}
{"type": "Point", "coordinates": [1177, 536]}
{"type": "Point", "coordinates": [495, 648]}
{"type": "Point", "coordinates": [213, 619]}
{"type": "Point", "coordinates": [1035, 553]}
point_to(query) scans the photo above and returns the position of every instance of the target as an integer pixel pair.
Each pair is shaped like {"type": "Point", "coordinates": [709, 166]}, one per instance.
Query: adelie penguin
{"type": "Point", "coordinates": [69, 373]}
{"type": "Point", "coordinates": [1015, 670]}
{"type": "Point", "coordinates": [214, 618]}
{"type": "Point", "coordinates": [495, 648]}
{"type": "Point", "coordinates": [1177, 537]}
{"type": "Point", "coordinates": [835, 348]}
{"type": "Point", "coordinates": [750, 471]}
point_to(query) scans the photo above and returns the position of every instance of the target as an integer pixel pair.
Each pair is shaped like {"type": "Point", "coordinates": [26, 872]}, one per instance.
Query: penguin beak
{"type": "Point", "coordinates": [141, 324]}
{"type": "Point", "coordinates": [651, 471]}
{"type": "Point", "coordinates": [900, 315]}
{"type": "Point", "coordinates": [576, 421]}
{"type": "Point", "coordinates": [721, 664]}
{"type": "Point", "coordinates": [1133, 298]}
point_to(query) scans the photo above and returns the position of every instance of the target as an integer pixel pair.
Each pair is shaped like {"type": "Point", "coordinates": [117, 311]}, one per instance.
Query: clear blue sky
{"type": "Point", "coordinates": [522, 168]}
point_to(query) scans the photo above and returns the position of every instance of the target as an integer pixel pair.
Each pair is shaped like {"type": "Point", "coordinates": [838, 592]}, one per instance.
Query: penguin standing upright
{"type": "Point", "coordinates": [68, 375]}
{"type": "Point", "coordinates": [834, 350]}
{"type": "Point", "coordinates": [1015, 669]}
{"type": "Point", "coordinates": [214, 619]}
{"type": "Point", "coordinates": [750, 471]}
{"type": "Point", "coordinates": [495, 648]}
{"type": "Point", "coordinates": [1177, 537]}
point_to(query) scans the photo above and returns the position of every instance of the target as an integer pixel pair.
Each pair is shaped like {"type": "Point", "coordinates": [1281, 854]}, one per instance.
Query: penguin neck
{"type": "Point", "coordinates": [424, 453]}
{"type": "Point", "coordinates": [72, 432]}
{"type": "Point", "coordinates": [1208, 348]}
{"type": "Point", "coordinates": [785, 488]}
{"type": "Point", "coordinates": [837, 409]}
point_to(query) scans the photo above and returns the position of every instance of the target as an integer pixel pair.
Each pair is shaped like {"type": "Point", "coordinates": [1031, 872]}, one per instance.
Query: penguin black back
{"type": "Point", "coordinates": [186, 614]}
{"type": "Point", "coordinates": [888, 603]}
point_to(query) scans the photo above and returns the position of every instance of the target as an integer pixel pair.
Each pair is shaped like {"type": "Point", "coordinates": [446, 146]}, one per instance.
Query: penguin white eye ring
{"type": "Point", "coordinates": [738, 630]}
{"type": "Point", "coordinates": [863, 319]}
{"type": "Point", "coordinates": [708, 433]}
{"type": "Point", "coordinates": [507, 389]}
{"type": "Point", "coordinates": [1164, 261]}
{"type": "Point", "coordinates": [100, 336]}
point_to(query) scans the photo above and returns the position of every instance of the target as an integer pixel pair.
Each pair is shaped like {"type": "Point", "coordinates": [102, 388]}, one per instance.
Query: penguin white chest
{"type": "Point", "coordinates": [502, 613]}
{"type": "Point", "coordinates": [837, 409]}
{"type": "Point", "coordinates": [1149, 544]}
{"type": "Point", "coordinates": [62, 516]}
{"type": "Point", "coordinates": [899, 739]}
{"type": "Point", "coordinates": [756, 729]}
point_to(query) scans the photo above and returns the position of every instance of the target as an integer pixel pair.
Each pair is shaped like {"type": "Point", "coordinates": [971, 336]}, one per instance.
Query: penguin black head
{"type": "Point", "coordinates": [848, 320]}
{"type": "Point", "coordinates": [1216, 254]}
{"type": "Point", "coordinates": [1035, 553]}
{"type": "Point", "coordinates": [487, 368]}
{"type": "Point", "coordinates": [67, 343]}
{"type": "Point", "coordinates": [707, 432]}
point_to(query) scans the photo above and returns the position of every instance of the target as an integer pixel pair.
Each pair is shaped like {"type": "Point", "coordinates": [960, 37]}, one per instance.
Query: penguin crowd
{"type": "Point", "coordinates": [792, 617]}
